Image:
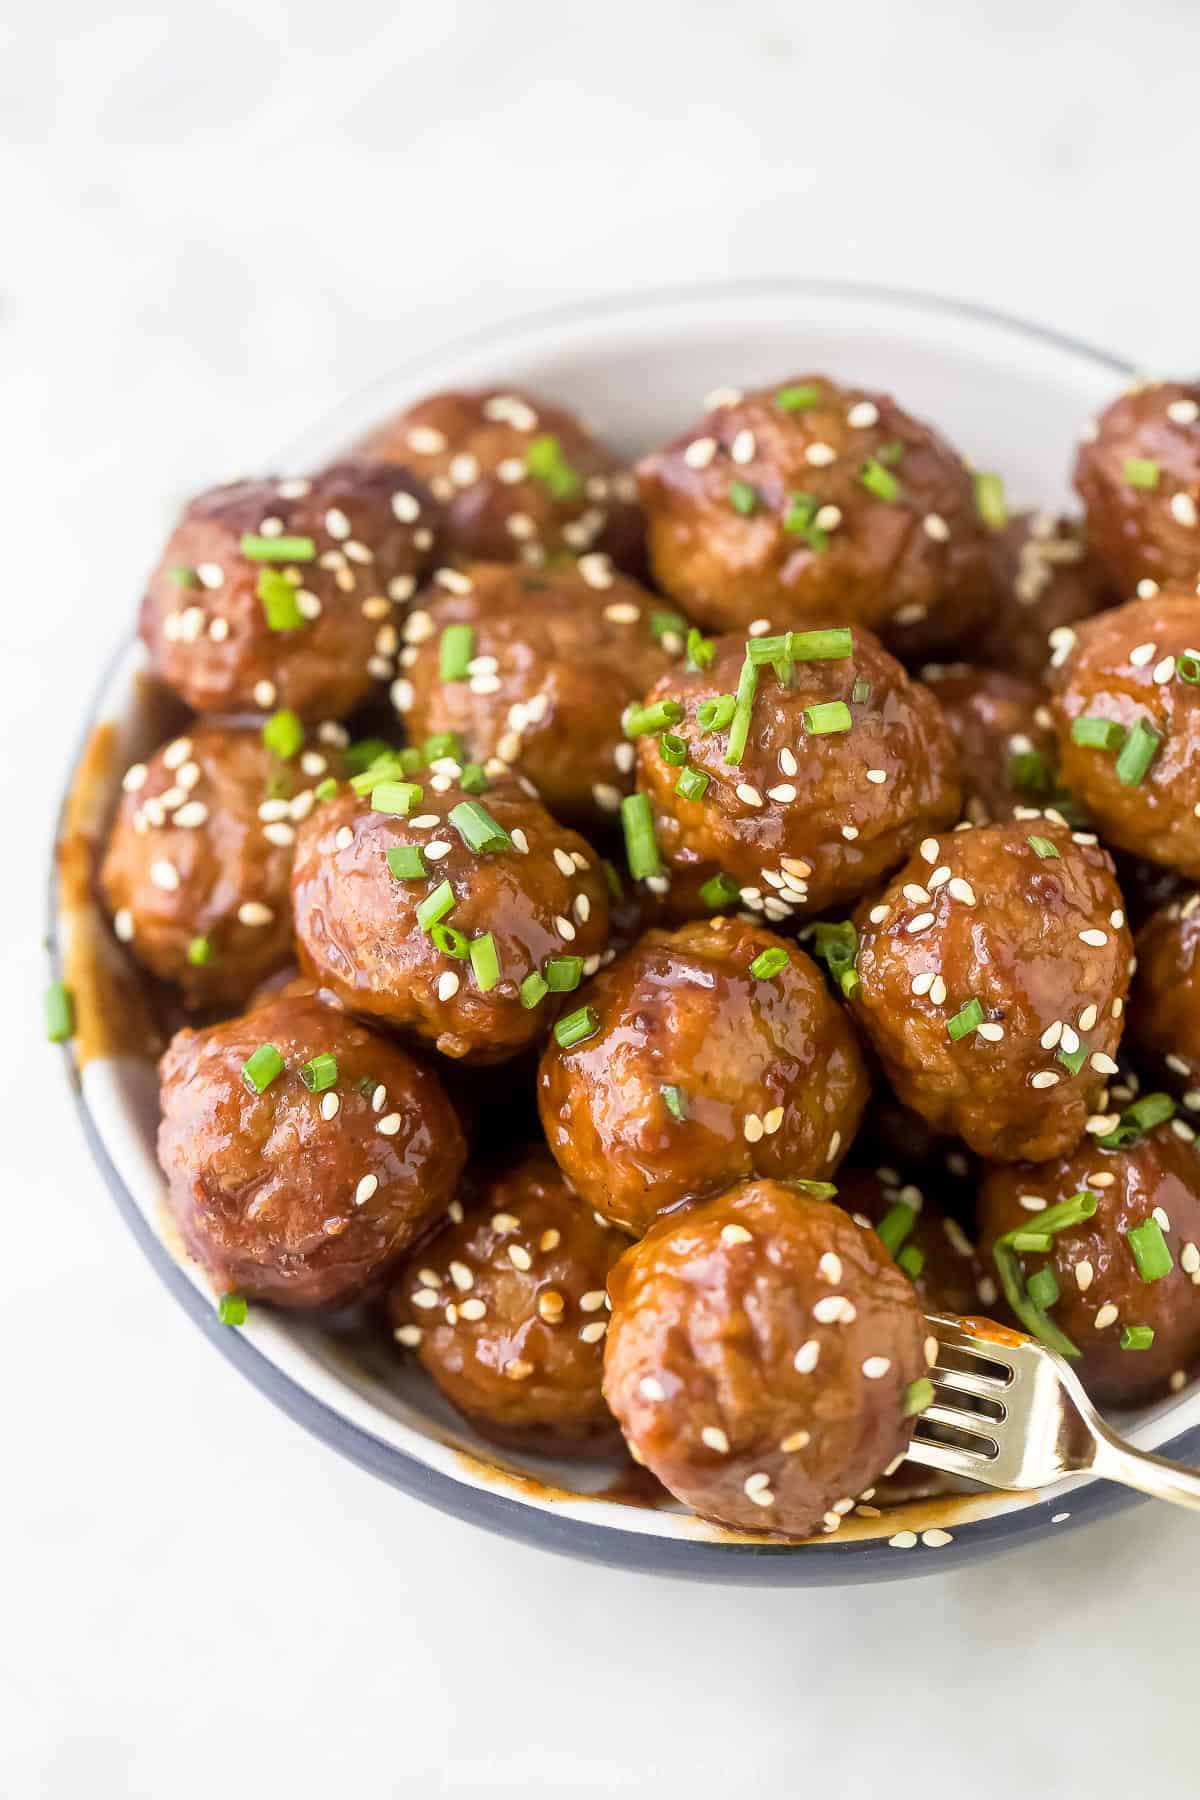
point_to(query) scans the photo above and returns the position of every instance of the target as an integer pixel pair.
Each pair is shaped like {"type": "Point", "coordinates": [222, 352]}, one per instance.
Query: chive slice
{"type": "Point", "coordinates": [199, 952]}
{"type": "Point", "coordinates": [676, 1101]}
{"type": "Point", "coordinates": [917, 1396]}
{"type": "Point", "coordinates": [1137, 753]}
{"type": "Point", "coordinates": [326, 789]}
{"type": "Point", "coordinates": [830, 645]}
{"type": "Point", "coordinates": [967, 1019]}
{"type": "Point", "coordinates": [829, 716]}
{"type": "Point", "coordinates": [642, 721]}
{"type": "Point", "coordinates": [743, 498]}
{"type": "Point", "coordinates": [1034, 1318]}
{"type": "Point", "coordinates": [397, 797]}
{"type": "Point", "coordinates": [1140, 472]}
{"type": "Point", "coordinates": [769, 649]}
{"type": "Point", "coordinates": [895, 1226]}
{"type": "Point", "coordinates": [667, 624]}
{"type": "Point", "coordinates": [1137, 1337]}
{"type": "Point", "coordinates": [385, 768]}
{"type": "Point", "coordinates": [1043, 846]}
{"type": "Point", "coordinates": [879, 480]}
{"type": "Point", "coordinates": [407, 862]}
{"type": "Point", "coordinates": [361, 755]}
{"type": "Point", "coordinates": [435, 906]}
{"type": "Point", "coordinates": [641, 846]}
{"type": "Point", "coordinates": [1042, 1288]}
{"type": "Point", "coordinates": [450, 941]}
{"type": "Point", "coordinates": [801, 397]}
{"type": "Point", "coordinates": [837, 947]}
{"type": "Point", "coordinates": [279, 603]}
{"type": "Point", "coordinates": [800, 515]}
{"type": "Point", "coordinates": [1097, 734]}
{"type": "Point", "coordinates": [577, 1026]}
{"type": "Point", "coordinates": [1032, 1242]}
{"type": "Point", "coordinates": [769, 963]}
{"type": "Point", "coordinates": [283, 734]}
{"type": "Point", "coordinates": [485, 961]}
{"type": "Point", "coordinates": [1151, 1252]}
{"type": "Point", "coordinates": [60, 1013]}
{"type": "Point", "coordinates": [261, 1068]}
{"type": "Point", "coordinates": [232, 1309]}
{"type": "Point", "coordinates": [990, 502]}
{"type": "Point", "coordinates": [1028, 772]}
{"type": "Point", "coordinates": [672, 749]}
{"type": "Point", "coordinates": [477, 828]}
{"type": "Point", "coordinates": [563, 973]}
{"type": "Point", "coordinates": [1137, 1120]}
{"type": "Point", "coordinates": [743, 706]}
{"type": "Point", "coordinates": [319, 1072]}
{"type": "Point", "coordinates": [1073, 1060]}
{"type": "Point", "coordinates": [183, 577]}
{"type": "Point", "coordinates": [860, 693]}
{"type": "Point", "coordinates": [456, 647]}
{"type": "Point", "coordinates": [820, 1190]}
{"type": "Point", "coordinates": [442, 744]}
{"type": "Point", "coordinates": [720, 890]}
{"type": "Point", "coordinates": [1065, 1214]}
{"type": "Point", "coordinates": [714, 715]}
{"type": "Point", "coordinates": [547, 463]}
{"type": "Point", "coordinates": [474, 779]}
{"type": "Point", "coordinates": [912, 1261]}
{"type": "Point", "coordinates": [692, 784]}
{"type": "Point", "coordinates": [700, 650]}
{"type": "Point", "coordinates": [1187, 668]}
{"type": "Point", "coordinates": [277, 549]}
{"type": "Point", "coordinates": [533, 990]}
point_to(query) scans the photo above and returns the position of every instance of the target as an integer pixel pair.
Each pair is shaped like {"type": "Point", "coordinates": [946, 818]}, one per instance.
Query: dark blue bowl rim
{"type": "Point", "coordinates": [751, 1565]}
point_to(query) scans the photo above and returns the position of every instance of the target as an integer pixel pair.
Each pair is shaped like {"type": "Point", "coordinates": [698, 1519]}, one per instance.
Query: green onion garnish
{"type": "Point", "coordinates": [577, 1026]}
{"type": "Point", "coordinates": [830, 645]}
{"type": "Point", "coordinates": [407, 862]}
{"type": "Point", "coordinates": [1097, 734]}
{"type": "Point", "coordinates": [743, 706]}
{"type": "Point", "coordinates": [917, 1396]}
{"type": "Point", "coordinates": [1030, 1241]}
{"type": "Point", "coordinates": [699, 649]}
{"type": "Point", "coordinates": [283, 734]}
{"type": "Point", "coordinates": [860, 693]}
{"type": "Point", "coordinates": [563, 973]}
{"type": "Point", "coordinates": [895, 1226]}
{"type": "Point", "coordinates": [1033, 1317]}
{"type": "Point", "coordinates": [1043, 846]}
{"type": "Point", "coordinates": [456, 647]}
{"type": "Point", "coordinates": [837, 947]}
{"type": "Point", "coordinates": [912, 1261]}
{"type": "Point", "coordinates": [546, 463]}
{"type": "Point", "coordinates": [1028, 772]}
{"type": "Point", "coordinates": [800, 398]}
{"type": "Point", "coordinates": [485, 961]}
{"type": "Point", "coordinates": [990, 503]}
{"type": "Point", "coordinates": [672, 749]}
{"type": "Point", "coordinates": [800, 516]}
{"type": "Point", "coordinates": [199, 952]}
{"type": "Point", "coordinates": [769, 649]}
{"type": "Point", "coordinates": [60, 1013]}
{"type": "Point", "coordinates": [443, 744]}
{"type": "Point", "coordinates": [260, 1069]}
{"type": "Point", "coordinates": [769, 963]}
{"type": "Point", "coordinates": [397, 797]}
{"type": "Point", "coordinates": [967, 1019]}
{"type": "Point", "coordinates": [277, 549]}
{"type": "Point", "coordinates": [477, 828]}
{"type": "Point", "coordinates": [1187, 668]}
{"type": "Point", "coordinates": [1151, 1252]}
{"type": "Point", "coordinates": [184, 578]}
{"type": "Point", "coordinates": [533, 991]}
{"type": "Point", "coordinates": [320, 1072]}
{"type": "Point", "coordinates": [326, 789]}
{"type": "Point", "coordinates": [279, 603]}
{"type": "Point", "coordinates": [1137, 1337]}
{"type": "Point", "coordinates": [384, 768]}
{"type": "Point", "coordinates": [742, 498]}
{"type": "Point", "coordinates": [1137, 753]}
{"type": "Point", "coordinates": [675, 1099]}
{"type": "Point", "coordinates": [827, 717]}
{"type": "Point", "coordinates": [668, 624]}
{"type": "Point", "coordinates": [1140, 472]}
{"type": "Point", "coordinates": [1073, 1060]}
{"type": "Point", "coordinates": [879, 480]}
{"type": "Point", "coordinates": [473, 779]}
{"type": "Point", "coordinates": [1138, 1119]}
{"type": "Point", "coordinates": [232, 1309]}
{"type": "Point", "coordinates": [641, 721]}
{"type": "Point", "coordinates": [360, 756]}
{"type": "Point", "coordinates": [692, 784]}
{"type": "Point", "coordinates": [820, 1190]}
{"type": "Point", "coordinates": [616, 887]}
{"type": "Point", "coordinates": [1067, 1213]}
{"type": "Point", "coordinates": [641, 846]}
{"type": "Point", "coordinates": [720, 890]}
{"type": "Point", "coordinates": [450, 941]}
{"type": "Point", "coordinates": [435, 906]}
{"type": "Point", "coordinates": [714, 715]}
{"type": "Point", "coordinates": [1042, 1288]}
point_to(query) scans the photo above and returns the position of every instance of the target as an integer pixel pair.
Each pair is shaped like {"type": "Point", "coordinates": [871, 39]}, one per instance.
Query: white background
{"type": "Point", "coordinates": [215, 221]}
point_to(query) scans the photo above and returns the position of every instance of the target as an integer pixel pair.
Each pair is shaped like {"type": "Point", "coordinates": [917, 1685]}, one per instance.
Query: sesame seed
{"type": "Point", "coordinates": [1116, 919]}
{"type": "Point", "coordinates": [930, 850]}
{"type": "Point", "coordinates": [787, 762]}
{"type": "Point", "coordinates": [1163, 671]}
{"type": "Point", "coordinates": [749, 796]}
{"type": "Point", "coordinates": [743, 447]}
{"type": "Point", "coordinates": [1095, 938]}
{"type": "Point", "coordinates": [820, 455]}
{"type": "Point", "coordinates": [830, 1268]}
{"type": "Point", "coordinates": [425, 1297]}
{"type": "Point", "coordinates": [828, 518]}
{"type": "Point", "coordinates": [806, 1357]}
{"type": "Point", "coordinates": [878, 914]}
{"type": "Point", "coordinates": [1106, 1316]}
{"type": "Point", "coordinates": [958, 889]}
{"type": "Point", "coordinates": [936, 527]}
{"type": "Point", "coordinates": [877, 776]}
{"type": "Point", "coordinates": [389, 1125]}
{"type": "Point", "coordinates": [752, 1128]}
{"type": "Point", "coordinates": [123, 925]}
{"type": "Point", "coordinates": [1141, 654]}
{"type": "Point", "coordinates": [917, 895]}
{"type": "Point", "coordinates": [1178, 1380]}
{"type": "Point", "coordinates": [366, 1187]}
{"type": "Point", "coordinates": [1045, 1078]}
{"type": "Point", "coordinates": [329, 1106]}
{"type": "Point", "coordinates": [408, 1335]}
{"type": "Point", "coordinates": [903, 1540]}
{"type": "Point", "coordinates": [164, 875]}
{"type": "Point", "coordinates": [936, 1537]}
{"type": "Point", "coordinates": [1104, 1065]}
{"type": "Point", "coordinates": [593, 1331]}
{"type": "Point", "coordinates": [849, 832]}
{"type": "Point", "coordinates": [772, 1120]}
{"type": "Point", "coordinates": [551, 1306]}
{"type": "Point", "coordinates": [795, 1440]}
{"type": "Point", "coordinates": [937, 992]}
{"type": "Point", "coordinates": [447, 985]}
{"type": "Point", "coordinates": [1087, 1018]}
{"type": "Point", "coordinates": [921, 922]}
{"type": "Point", "coordinates": [1183, 412]}
{"type": "Point", "coordinates": [472, 1309]}
{"type": "Point", "coordinates": [991, 1033]}
{"type": "Point", "coordinates": [378, 1098]}
{"type": "Point", "coordinates": [832, 1311]}
{"type": "Point", "coordinates": [700, 452]}
{"type": "Point", "coordinates": [1032, 1202]}
{"type": "Point", "coordinates": [1084, 1274]}
{"type": "Point", "coordinates": [607, 798]}
{"type": "Point", "coordinates": [876, 1367]}
{"type": "Point", "coordinates": [280, 833]}
{"type": "Point", "coordinates": [426, 440]}
{"type": "Point", "coordinates": [518, 1370]}
{"type": "Point", "coordinates": [715, 1438]}
{"type": "Point", "coordinates": [1050, 1037]}
{"type": "Point", "coordinates": [650, 1388]}
{"type": "Point", "coordinates": [862, 414]}
{"type": "Point", "coordinates": [563, 859]}
{"type": "Point", "coordinates": [784, 793]}
{"type": "Point", "coordinates": [343, 838]}
{"type": "Point", "coordinates": [1183, 509]}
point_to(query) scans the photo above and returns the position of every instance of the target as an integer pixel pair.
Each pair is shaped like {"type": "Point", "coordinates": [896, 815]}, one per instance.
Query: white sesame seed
{"type": "Point", "coordinates": [990, 1032]}
{"type": "Point", "coordinates": [820, 455]}
{"type": "Point", "coordinates": [447, 985]}
{"type": "Point", "coordinates": [563, 859]}
{"type": "Point", "coordinates": [1087, 1018]}
{"type": "Point", "coordinates": [1141, 654]}
{"type": "Point", "coordinates": [828, 518]}
{"type": "Point", "coordinates": [748, 795]}
{"type": "Point", "coordinates": [930, 850]}
{"type": "Point", "coordinates": [650, 1388]}
{"type": "Point", "coordinates": [877, 776]}
{"type": "Point", "coordinates": [1183, 412]}
{"type": "Point", "coordinates": [784, 793]}
{"type": "Point", "coordinates": [1104, 1065]}
{"type": "Point", "coordinates": [862, 414]}
{"type": "Point", "coordinates": [736, 1234]}
{"type": "Point", "coordinates": [830, 1311]}
{"type": "Point", "coordinates": [743, 447]}
{"type": "Point", "coordinates": [875, 1367]}
{"type": "Point", "coordinates": [752, 1128]}
{"type": "Point", "coordinates": [958, 889]}
{"type": "Point", "coordinates": [390, 1125]}
{"type": "Point", "coordinates": [1095, 938]}
{"type": "Point", "coordinates": [936, 527]}
{"type": "Point", "coordinates": [878, 914]}
{"type": "Point", "coordinates": [1183, 509]}
{"type": "Point", "coordinates": [1084, 1274]}
{"type": "Point", "coordinates": [715, 1438]}
{"type": "Point", "coordinates": [807, 1357]}
{"type": "Point", "coordinates": [787, 762]}
{"type": "Point", "coordinates": [1050, 1037]}
{"type": "Point", "coordinates": [921, 922]}
{"type": "Point", "coordinates": [829, 1268]}
{"type": "Point", "coordinates": [366, 1187]}
{"type": "Point", "coordinates": [164, 875]}
{"type": "Point", "coordinates": [134, 778]}
{"type": "Point", "coordinates": [700, 452]}
{"type": "Point", "coordinates": [1032, 1202]}
{"type": "Point", "coordinates": [903, 1540]}
{"type": "Point", "coordinates": [849, 832]}
{"type": "Point", "coordinates": [1045, 1078]}
{"type": "Point", "coordinates": [1107, 1315]}
{"type": "Point", "coordinates": [772, 1120]}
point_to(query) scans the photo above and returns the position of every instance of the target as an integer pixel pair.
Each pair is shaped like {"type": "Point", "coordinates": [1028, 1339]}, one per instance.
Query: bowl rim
{"type": "Point", "coordinates": [754, 1564]}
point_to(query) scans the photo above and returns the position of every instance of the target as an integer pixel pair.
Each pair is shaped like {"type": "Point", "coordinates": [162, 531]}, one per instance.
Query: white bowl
{"type": "Point", "coordinates": [1013, 397]}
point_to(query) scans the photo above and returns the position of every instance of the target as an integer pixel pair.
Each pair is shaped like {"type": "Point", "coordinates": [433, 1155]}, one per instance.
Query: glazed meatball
{"type": "Point", "coordinates": [465, 919]}
{"type": "Point", "coordinates": [1004, 733]}
{"type": "Point", "coordinates": [521, 480]}
{"type": "Point", "coordinates": [303, 1151]}
{"type": "Point", "coordinates": [1126, 1278]}
{"type": "Point", "coordinates": [717, 1053]}
{"type": "Point", "coordinates": [1138, 474]}
{"type": "Point", "coordinates": [992, 974]}
{"type": "Point", "coordinates": [198, 866]}
{"type": "Point", "coordinates": [847, 765]}
{"type": "Point", "coordinates": [930, 1247]}
{"type": "Point", "coordinates": [1043, 577]}
{"type": "Point", "coordinates": [1164, 1007]}
{"type": "Point", "coordinates": [1127, 711]}
{"type": "Point", "coordinates": [288, 593]}
{"type": "Point", "coordinates": [810, 503]}
{"type": "Point", "coordinates": [765, 1358]}
{"type": "Point", "coordinates": [507, 1310]}
{"type": "Point", "coordinates": [546, 664]}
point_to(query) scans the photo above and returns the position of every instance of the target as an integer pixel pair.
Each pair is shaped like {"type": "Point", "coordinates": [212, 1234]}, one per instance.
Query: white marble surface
{"type": "Point", "coordinates": [216, 220]}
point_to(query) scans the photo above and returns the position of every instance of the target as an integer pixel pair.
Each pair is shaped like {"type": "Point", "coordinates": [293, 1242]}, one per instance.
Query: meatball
{"type": "Point", "coordinates": [810, 503]}
{"type": "Point", "coordinates": [1127, 711]}
{"type": "Point", "coordinates": [198, 866]}
{"type": "Point", "coordinates": [717, 1053]}
{"type": "Point", "coordinates": [1138, 474]}
{"type": "Point", "coordinates": [992, 974]}
{"type": "Point", "coordinates": [847, 764]}
{"type": "Point", "coordinates": [543, 665]}
{"type": "Point", "coordinates": [1123, 1281]}
{"type": "Point", "coordinates": [303, 1151]}
{"type": "Point", "coordinates": [287, 593]}
{"type": "Point", "coordinates": [765, 1357]}
{"type": "Point", "coordinates": [506, 1310]}
{"type": "Point", "coordinates": [1004, 733]}
{"type": "Point", "coordinates": [1164, 1007]}
{"type": "Point", "coordinates": [461, 917]}
{"type": "Point", "coordinates": [931, 1247]}
{"type": "Point", "coordinates": [521, 480]}
{"type": "Point", "coordinates": [1043, 577]}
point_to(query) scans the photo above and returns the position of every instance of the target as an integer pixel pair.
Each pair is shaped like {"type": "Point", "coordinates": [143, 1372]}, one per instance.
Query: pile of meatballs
{"type": "Point", "coordinates": [651, 937]}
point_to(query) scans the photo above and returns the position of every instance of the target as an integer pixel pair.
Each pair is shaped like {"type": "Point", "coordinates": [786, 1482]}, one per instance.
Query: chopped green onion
{"type": "Point", "coordinates": [742, 498]}
{"type": "Point", "coordinates": [279, 602]}
{"type": "Point", "coordinates": [1138, 1119]}
{"type": "Point", "coordinates": [485, 961]}
{"type": "Point", "coordinates": [261, 1068]}
{"type": "Point", "coordinates": [700, 649]}
{"type": "Point", "coordinates": [827, 717]}
{"type": "Point", "coordinates": [912, 1261]}
{"type": "Point", "coordinates": [1073, 1060]}
{"type": "Point", "coordinates": [1137, 753]}
{"type": "Point", "coordinates": [1151, 1252]}
{"type": "Point", "coordinates": [563, 973]}
{"type": "Point", "coordinates": [1141, 472]}
{"type": "Point", "coordinates": [1137, 1337]}
{"type": "Point", "coordinates": [714, 715]}
{"type": "Point", "coordinates": [384, 768]}
{"type": "Point", "coordinates": [837, 947]}
{"type": "Point", "coordinates": [895, 1226]}
{"type": "Point", "coordinates": [800, 398]}
{"type": "Point", "coordinates": [473, 779]}
{"type": "Point", "coordinates": [319, 1072]}
{"type": "Point", "coordinates": [1034, 1318]}
{"type": "Point", "coordinates": [668, 624]}
{"type": "Point", "coordinates": [326, 789]}
{"type": "Point", "coordinates": [692, 784]}
{"type": "Point", "coordinates": [967, 1019]}
{"type": "Point", "coordinates": [283, 734]}
{"type": "Point", "coordinates": [1044, 847]}
{"type": "Point", "coordinates": [769, 963]}
{"type": "Point", "coordinates": [533, 990]}
{"type": "Point", "coordinates": [743, 707]}
{"type": "Point", "coordinates": [676, 1101]}
{"type": "Point", "coordinates": [1031, 1241]}
{"type": "Point", "coordinates": [799, 517]}
{"type": "Point", "coordinates": [1097, 734]}
{"type": "Point", "coordinates": [477, 828]}
{"type": "Point", "coordinates": [277, 549]}
{"type": "Point", "coordinates": [1042, 1288]}
{"type": "Point", "coordinates": [577, 1026]}
{"type": "Point", "coordinates": [1066, 1214]}
{"type": "Point", "coordinates": [456, 647]}
{"type": "Point", "coordinates": [642, 721]}
{"type": "Point", "coordinates": [435, 906]}
{"type": "Point", "coordinates": [641, 847]}
{"type": "Point", "coordinates": [60, 1013]}
{"type": "Point", "coordinates": [396, 796]}
{"type": "Point", "coordinates": [443, 744]}
{"type": "Point", "coordinates": [830, 645]}
{"type": "Point", "coordinates": [450, 941]}
{"type": "Point", "coordinates": [184, 578]}
{"type": "Point", "coordinates": [1187, 667]}
{"type": "Point", "coordinates": [720, 890]}
{"type": "Point", "coordinates": [1028, 772]}
{"type": "Point", "coordinates": [990, 503]}
{"type": "Point", "coordinates": [860, 693]}
{"type": "Point", "coordinates": [616, 888]}
{"type": "Point", "coordinates": [672, 749]}
{"type": "Point", "coordinates": [232, 1309]}
{"type": "Point", "coordinates": [199, 952]}
{"type": "Point", "coordinates": [879, 480]}
{"type": "Point", "coordinates": [769, 649]}
{"type": "Point", "coordinates": [366, 1085]}
{"type": "Point", "coordinates": [917, 1396]}
{"type": "Point", "coordinates": [407, 862]}
{"type": "Point", "coordinates": [360, 756]}
{"type": "Point", "coordinates": [820, 1190]}
{"type": "Point", "coordinates": [546, 462]}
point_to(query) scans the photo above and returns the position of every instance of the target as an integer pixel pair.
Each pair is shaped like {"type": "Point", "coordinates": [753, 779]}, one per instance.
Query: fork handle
{"type": "Point", "coordinates": [1153, 1475]}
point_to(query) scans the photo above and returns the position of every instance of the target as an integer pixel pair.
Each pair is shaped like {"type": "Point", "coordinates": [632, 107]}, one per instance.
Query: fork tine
{"type": "Point", "coordinates": [950, 1458]}
{"type": "Point", "coordinates": [963, 1381]}
{"type": "Point", "coordinates": [972, 1425]}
